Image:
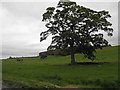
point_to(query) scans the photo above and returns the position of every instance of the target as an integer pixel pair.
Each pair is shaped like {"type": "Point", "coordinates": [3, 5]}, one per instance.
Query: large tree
{"type": "Point", "coordinates": [75, 27]}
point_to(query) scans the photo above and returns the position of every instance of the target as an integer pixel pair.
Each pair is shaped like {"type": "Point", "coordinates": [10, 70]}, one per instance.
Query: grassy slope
{"type": "Point", "coordinates": [0, 70]}
{"type": "Point", "coordinates": [55, 71]}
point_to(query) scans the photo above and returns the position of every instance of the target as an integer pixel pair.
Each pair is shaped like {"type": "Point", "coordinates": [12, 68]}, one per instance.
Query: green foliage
{"type": "Point", "coordinates": [59, 52]}
{"type": "Point", "coordinates": [74, 26]}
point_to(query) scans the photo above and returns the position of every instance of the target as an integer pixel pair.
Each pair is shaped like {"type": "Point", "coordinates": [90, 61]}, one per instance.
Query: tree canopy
{"type": "Point", "coordinates": [76, 27]}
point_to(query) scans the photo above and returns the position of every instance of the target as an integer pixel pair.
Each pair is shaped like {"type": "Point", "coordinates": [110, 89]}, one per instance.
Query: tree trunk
{"type": "Point", "coordinates": [72, 55]}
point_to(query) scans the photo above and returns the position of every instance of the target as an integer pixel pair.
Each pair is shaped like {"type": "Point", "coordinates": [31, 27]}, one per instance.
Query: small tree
{"type": "Point", "coordinates": [75, 27]}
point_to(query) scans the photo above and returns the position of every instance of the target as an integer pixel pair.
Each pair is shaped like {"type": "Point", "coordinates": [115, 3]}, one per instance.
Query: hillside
{"type": "Point", "coordinates": [55, 71]}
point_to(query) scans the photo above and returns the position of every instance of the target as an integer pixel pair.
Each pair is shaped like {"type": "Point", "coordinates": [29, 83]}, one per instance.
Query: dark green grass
{"type": "Point", "coordinates": [55, 71]}
{"type": "Point", "coordinates": [0, 69]}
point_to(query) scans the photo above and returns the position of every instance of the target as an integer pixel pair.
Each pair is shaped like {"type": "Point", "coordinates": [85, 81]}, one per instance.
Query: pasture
{"type": "Point", "coordinates": [0, 69]}
{"type": "Point", "coordinates": [55, 71]}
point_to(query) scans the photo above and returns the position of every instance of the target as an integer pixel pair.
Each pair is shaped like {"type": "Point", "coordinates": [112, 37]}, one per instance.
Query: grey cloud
{"type": "Point", "coordinates": [27, 9]}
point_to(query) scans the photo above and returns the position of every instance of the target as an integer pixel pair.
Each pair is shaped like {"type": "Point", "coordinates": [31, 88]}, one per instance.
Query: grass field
{"type": "Point", "coordinates": [55, 71]}
{"type": "Point", "coordinates": [0, 69]}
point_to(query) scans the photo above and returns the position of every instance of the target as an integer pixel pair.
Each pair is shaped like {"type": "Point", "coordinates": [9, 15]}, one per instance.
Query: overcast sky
{"type": "Point", "coordinates": [21, 24]}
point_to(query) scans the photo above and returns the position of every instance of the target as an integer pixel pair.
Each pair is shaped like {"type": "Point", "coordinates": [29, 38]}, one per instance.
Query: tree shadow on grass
{"type": "Point", "coordinates": [90, 63]}
{"type": "Point", "coordinates": [82, 63]}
